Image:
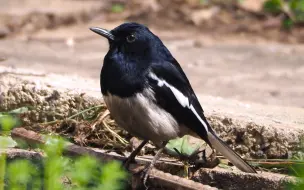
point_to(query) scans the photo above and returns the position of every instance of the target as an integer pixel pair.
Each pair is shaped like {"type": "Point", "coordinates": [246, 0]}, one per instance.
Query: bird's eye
{"type": "Point", "coordinates": [131, 38]}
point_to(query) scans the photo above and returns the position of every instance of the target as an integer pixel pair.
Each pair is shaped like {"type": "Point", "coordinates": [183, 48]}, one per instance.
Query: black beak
{"type": "Point", "coordinates": [103, 32]}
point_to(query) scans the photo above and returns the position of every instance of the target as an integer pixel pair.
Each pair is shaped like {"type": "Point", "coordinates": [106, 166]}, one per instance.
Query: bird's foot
{"type": "Point", "coordinates": [131, 158]}
{"type": "Point", "coordinates": [144, 174]}
{"type": "Point", "coordinates": [126, 163]}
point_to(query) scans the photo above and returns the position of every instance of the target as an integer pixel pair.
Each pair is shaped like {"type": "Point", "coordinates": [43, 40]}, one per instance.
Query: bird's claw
{"type": "Point", "coordinates": [126, 163]}
{"type": "Point", "coordinates": [144, 174]}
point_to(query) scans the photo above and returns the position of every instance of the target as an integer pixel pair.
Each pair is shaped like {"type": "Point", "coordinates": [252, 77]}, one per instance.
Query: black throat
{"type": "Point", "coordinates": [123, 75]}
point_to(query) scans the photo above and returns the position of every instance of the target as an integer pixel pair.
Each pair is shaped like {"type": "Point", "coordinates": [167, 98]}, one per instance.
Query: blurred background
{"type": "Point", "coordinates": [248, 50]}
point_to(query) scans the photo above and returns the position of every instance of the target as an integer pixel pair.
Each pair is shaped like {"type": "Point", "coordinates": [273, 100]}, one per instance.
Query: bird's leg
{"type": "Point", "coordinates": [145, 172]}
{"type": "Point", "coordinates": [133, 154]}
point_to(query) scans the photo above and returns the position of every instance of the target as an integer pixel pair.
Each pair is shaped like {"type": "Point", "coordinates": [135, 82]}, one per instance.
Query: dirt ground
{"type": "Point", "coordinates": [238, 65]}
{"type": "Point", "coordinates": [267, 73]}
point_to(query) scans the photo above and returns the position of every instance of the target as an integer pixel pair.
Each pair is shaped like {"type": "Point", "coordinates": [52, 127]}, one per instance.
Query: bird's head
{"type": "Point", "coordinates": [132, 39]}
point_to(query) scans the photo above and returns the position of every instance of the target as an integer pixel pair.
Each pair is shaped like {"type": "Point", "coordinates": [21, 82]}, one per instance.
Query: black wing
{"type": "Point", "coordinates": [173, 93]}
{"type": "Point", "coordinates": [173, 75]}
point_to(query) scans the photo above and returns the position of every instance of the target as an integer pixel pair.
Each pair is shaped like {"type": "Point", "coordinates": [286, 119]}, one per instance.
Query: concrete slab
{"type": "Point", "coordinates": [253, 130]}
{"type": "Point", "coordinates": [224, 179]}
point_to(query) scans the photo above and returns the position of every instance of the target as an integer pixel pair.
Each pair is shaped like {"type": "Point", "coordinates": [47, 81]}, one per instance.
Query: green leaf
{"type": "Point", "coordinates": [297, 7]}
{"type": "Point", "coordinates": [225, 166]}
{"type": "Point", "coordinates": [7, 142]}
{"type": "Point", "coordinates": [54, 171]}
{"type": "Point", "coordinates": [112, 174]}
{"type": "Point", "coordinates": [86, 171]}
{"type": "Point", "coordinates": [54, 146]}
{"type": "Point", "coordinates": [117, 8]}
{"type": "Point", "coordinates": [183, 145]}
{"type": "Point", "coordinates": [20, 173]}
{"type": "Point", "coordinates": [297, 170]}
{"type": "Point", "coordinates": [19, 110]}
{"type": "Point", "coordinates": [204, 2]}
{"type": "Point", "coordinates": [2, 170]}
{"type": "Point", "coordinates": [273, 6]}
{"type": "Point", "coordinates": [7, 122]}
{"type": "Point", "coordinates": [287, 23]}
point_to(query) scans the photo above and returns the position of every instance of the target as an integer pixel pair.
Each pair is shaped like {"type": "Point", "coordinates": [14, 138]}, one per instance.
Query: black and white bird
{"type": "Point", "coordinates": [149, 95]}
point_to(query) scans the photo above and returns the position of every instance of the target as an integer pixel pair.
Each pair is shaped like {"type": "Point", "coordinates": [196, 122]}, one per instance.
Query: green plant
{"type": "Point", "coordinates": [22, 173]}
{"type": "Point", "coordinates": [293, 11]}
{"type": "Point", "coordinates": [7, 122]}
{"type": "Point", "coordinates": [182, 147]}
{"type": "Point", "coordinates": [297, 169]}
{"type": "Point", "coordinates": [297, 7]}
{"type": "Point", "coordinates": [56, 171]}
{"type": "Point", "coordinates": [273, 6]}
{"type": "Point", "coordinates": [2, 170]}
{"type": "Point", "coordinates": [117, 8]}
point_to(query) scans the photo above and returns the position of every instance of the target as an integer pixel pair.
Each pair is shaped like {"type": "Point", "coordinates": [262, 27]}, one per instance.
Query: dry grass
{"type": "Point", "coordinates": [90, 127]}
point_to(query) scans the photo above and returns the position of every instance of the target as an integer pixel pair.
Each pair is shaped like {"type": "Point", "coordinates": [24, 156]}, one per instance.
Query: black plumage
{"type": "Point", "coordinates": [148, 93]}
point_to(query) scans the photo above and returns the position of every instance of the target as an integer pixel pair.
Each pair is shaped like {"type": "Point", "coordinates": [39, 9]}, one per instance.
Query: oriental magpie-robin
{"type": "Point", "coordinates": [149, 95]}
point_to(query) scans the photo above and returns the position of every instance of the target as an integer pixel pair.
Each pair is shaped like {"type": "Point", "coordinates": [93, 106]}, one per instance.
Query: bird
{"type": "Point", "coordinates": [149, 95]}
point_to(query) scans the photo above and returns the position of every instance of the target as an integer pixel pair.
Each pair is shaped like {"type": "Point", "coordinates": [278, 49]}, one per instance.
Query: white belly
{"type": "Point", "coordinates": [143, 118]}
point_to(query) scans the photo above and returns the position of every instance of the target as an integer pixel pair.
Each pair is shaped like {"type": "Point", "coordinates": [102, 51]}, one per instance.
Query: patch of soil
{"type": "Point", "coordinates": [216, 18]}
{"type": "Point", "coordinates": [229, 19]}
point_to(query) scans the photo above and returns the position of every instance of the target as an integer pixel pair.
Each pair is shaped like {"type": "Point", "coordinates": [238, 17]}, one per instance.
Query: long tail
{"type": "Point", "coordinates": [232, 156]}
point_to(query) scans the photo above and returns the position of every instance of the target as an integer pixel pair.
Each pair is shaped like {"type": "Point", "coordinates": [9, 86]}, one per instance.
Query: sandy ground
{"type": "Point", "coordinates": [267, 73]}
{"type": "Point", "coordinates": [230, 66]}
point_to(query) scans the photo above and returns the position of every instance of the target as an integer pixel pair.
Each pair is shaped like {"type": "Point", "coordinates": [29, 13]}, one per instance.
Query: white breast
{"type": "Point", "coordinates": [140, 116]}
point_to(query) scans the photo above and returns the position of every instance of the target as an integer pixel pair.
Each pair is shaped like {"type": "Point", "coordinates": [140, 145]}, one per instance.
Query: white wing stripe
{"type": "Point", "coordinates": [180, 97]}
